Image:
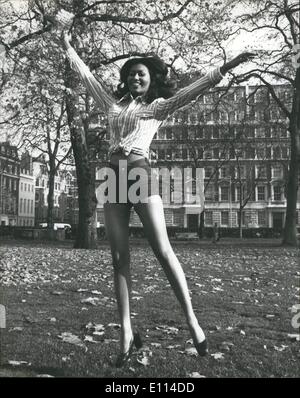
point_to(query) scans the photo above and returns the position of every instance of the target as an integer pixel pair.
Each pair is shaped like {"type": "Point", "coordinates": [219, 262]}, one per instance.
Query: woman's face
{"type": "Point", "coordinates": [138, 80]}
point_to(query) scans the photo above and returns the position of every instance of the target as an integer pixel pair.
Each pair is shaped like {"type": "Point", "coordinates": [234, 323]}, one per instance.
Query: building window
{"type": "Point", "coordinates": [21, 205]}
{"type": "Point", "coordinates": [276, 152]}
{"type": "Point", "coordinates": [261, 218]}
{"type": "Point", "coordinates": [250, 153]}
{"type": "Point", "coordinates": [224, 172]}
{"type": "Point", "coordinates": [169, 134]}
{"type": "Point", "coordinates": [215, 133]}
{"type": "Point", "coordinates": [209, 193]}
{"type": "Point", "coordinates": [161, 154]}
{"type": "Point", "coordinates": [169, 154]}
{"type": "Point", "coordinates": [200, 133]}
{"type": "Point", "coordinates": [261, 193]}
{"type": "Point", "coordinates": [260, 132]}
{"type": "Point", "coordinates": [216, 153]}
{"type": "Point", "coordinates": [208, 218]}
{"type": "Point", "coordinates": [240, 172]}
{"type": "Point", "coordinates": [225, 218]}
{"type": "Point", "coordinates": [208, 172]}
{"type": "Point", "coordinates": [277, 193]}
{"type": "Point", "coordinates": [276, 172]}
{"type": "Point", "coordinates": [260, 153]}
{"type": "Point", "coordinates": [208, 154]}
{"type": "Point", "coordinates": [224, 193]}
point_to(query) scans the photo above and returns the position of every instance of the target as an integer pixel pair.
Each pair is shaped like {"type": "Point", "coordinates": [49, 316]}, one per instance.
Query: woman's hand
{"type": "Point", "coordinates": [64, 19]}
{"type": "Point", "coordinates": [241, 58]}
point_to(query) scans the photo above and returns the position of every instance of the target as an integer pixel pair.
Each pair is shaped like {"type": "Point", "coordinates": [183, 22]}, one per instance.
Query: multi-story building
{"type": "Point", "coordinates": [26, 192]}
{"type": "Point", "coordinates": [240, 140]}
{"type": "Point", "coordinates": [9, 183]}
{"type": "Point", "coordinates": [65, 194]}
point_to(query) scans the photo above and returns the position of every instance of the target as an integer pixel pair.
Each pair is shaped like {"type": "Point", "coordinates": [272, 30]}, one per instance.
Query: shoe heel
{"type": "Point", "coordinates": [202, 348]}
{"type": "Point", "coordinates": [137, 341]}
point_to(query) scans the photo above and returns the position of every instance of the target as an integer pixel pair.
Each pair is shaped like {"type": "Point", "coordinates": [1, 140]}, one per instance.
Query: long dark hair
{"type": "Point", "coordinates": [160, 86]}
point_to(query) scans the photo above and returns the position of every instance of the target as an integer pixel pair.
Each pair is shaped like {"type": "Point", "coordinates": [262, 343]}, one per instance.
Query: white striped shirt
{"type": "Point", "coordinates": [133, 122]}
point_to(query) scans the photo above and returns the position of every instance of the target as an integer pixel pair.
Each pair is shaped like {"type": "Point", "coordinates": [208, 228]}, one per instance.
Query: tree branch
{"type": "Point", "coordinates": [112, 18]}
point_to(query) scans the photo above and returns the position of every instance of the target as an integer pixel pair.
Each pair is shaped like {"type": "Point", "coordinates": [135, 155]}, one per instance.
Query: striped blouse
{"type": "Point", "coordinates": [133, 122]}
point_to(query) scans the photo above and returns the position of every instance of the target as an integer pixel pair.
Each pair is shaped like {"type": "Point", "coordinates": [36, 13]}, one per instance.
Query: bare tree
{"type": "Point", "coordinates": [278, 23]}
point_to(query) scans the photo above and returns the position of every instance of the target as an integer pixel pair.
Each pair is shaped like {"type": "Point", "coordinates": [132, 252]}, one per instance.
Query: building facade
{"type": "Point", "coordinates": [9, 184]}
{"type": "Point", "coordinates": [65, 194]}
{"type": "Point", "coordinates": [240, 140]}
{"type": "Point", "coordinates": [26, 208]}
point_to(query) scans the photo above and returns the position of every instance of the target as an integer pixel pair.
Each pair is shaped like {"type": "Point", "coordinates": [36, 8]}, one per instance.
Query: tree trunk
{"type": "Point", "coordinates": [240, 223]}
{"type": "Point", "coordinates": [50, 198]}
{"type": "Point", "coordinates": [86, 237]}
{"type": "Point", "coordinates": [201, 225]}
{"type": "Point", "coordinates": [290, 229]}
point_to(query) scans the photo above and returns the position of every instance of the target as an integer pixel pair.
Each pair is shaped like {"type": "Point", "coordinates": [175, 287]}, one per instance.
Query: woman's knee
{"type": "Point", "coordinates": [165, 255]}
{"type": "Point", "coordinates": [120, 258]}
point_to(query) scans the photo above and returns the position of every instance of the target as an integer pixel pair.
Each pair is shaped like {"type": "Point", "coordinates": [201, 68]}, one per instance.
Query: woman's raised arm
{"type": "Point", "coordinates": [94, 87]}
{"type": "Point", "coordinates": [184, 96]}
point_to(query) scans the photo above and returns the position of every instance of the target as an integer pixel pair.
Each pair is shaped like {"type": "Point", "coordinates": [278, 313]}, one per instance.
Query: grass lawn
{"type": "Point", "coordinates": [62, 318]}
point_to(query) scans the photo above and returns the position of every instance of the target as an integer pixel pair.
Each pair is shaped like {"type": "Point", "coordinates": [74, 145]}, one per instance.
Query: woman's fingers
{"type": "Point", "coordinates": [64, 18]}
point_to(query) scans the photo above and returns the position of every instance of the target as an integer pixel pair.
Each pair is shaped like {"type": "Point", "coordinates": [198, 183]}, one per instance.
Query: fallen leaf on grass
{"type": "Point", "coordinates": [195, 375]}
{"type": "Point", "coordinates": [93, 327]}
{"type": "Point", "coordinates": [191, 351]}
{"type": "Point", "coordinates": [156, 344]}
{"type": "Point", "coordinates": [167, 329]}
{"type": "Point", "coordinates": [218, 355]}
{"type": "Point", "coordinates": [44, 375]}
{"type": "Point", "coordinates": [114, 325]}
{"type": "Point", "coordinates": [70, 338]}
{"type": "Point", "coordinates": [282, 348]}
{"type": "Point", "coordinates": [16, 329]}
{"type": "Point", "coordinates": [90, 339]}
{"type": "Point", "coordinates": [19, 363]}
{"type": "Point", "coordinates": [57, 293]}
{"type": "Point", "coordinates": [144, 361]}
{"type": "Point", "coordinates": [171, 347]}
{"type": "Point", "coordinates": [90, 300]}
{"type": "Point", "coordinates": [96, 292]}
{"type": "Point", "coordinates": [294, 336]}
{"type": "Point", "coordinates": [29, 319]}
{"type": "Point", "coordinates": [108, 341]}
{"type": "Point", "coordinates": [226, 345]}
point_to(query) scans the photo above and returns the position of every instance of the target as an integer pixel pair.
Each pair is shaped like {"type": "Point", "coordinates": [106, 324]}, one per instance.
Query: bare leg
{"type": "Point", "coordinates": [152, 217]}
{"type": "Point", "coordinates": [117, 229]}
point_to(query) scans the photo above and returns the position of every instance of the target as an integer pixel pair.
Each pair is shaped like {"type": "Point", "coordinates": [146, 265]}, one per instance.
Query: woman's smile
{"type": "Point", "coordinates": [139, 79]}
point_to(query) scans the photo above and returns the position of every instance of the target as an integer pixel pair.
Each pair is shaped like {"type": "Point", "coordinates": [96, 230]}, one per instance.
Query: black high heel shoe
{"type": "Point", "coordinates": [202, 348]}
{"type": "Point", "coordinates": [124, 357]}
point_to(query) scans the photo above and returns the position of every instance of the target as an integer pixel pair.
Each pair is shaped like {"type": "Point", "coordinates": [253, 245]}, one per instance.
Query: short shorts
{"type": "Point", "coordinates": [130, 181]}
